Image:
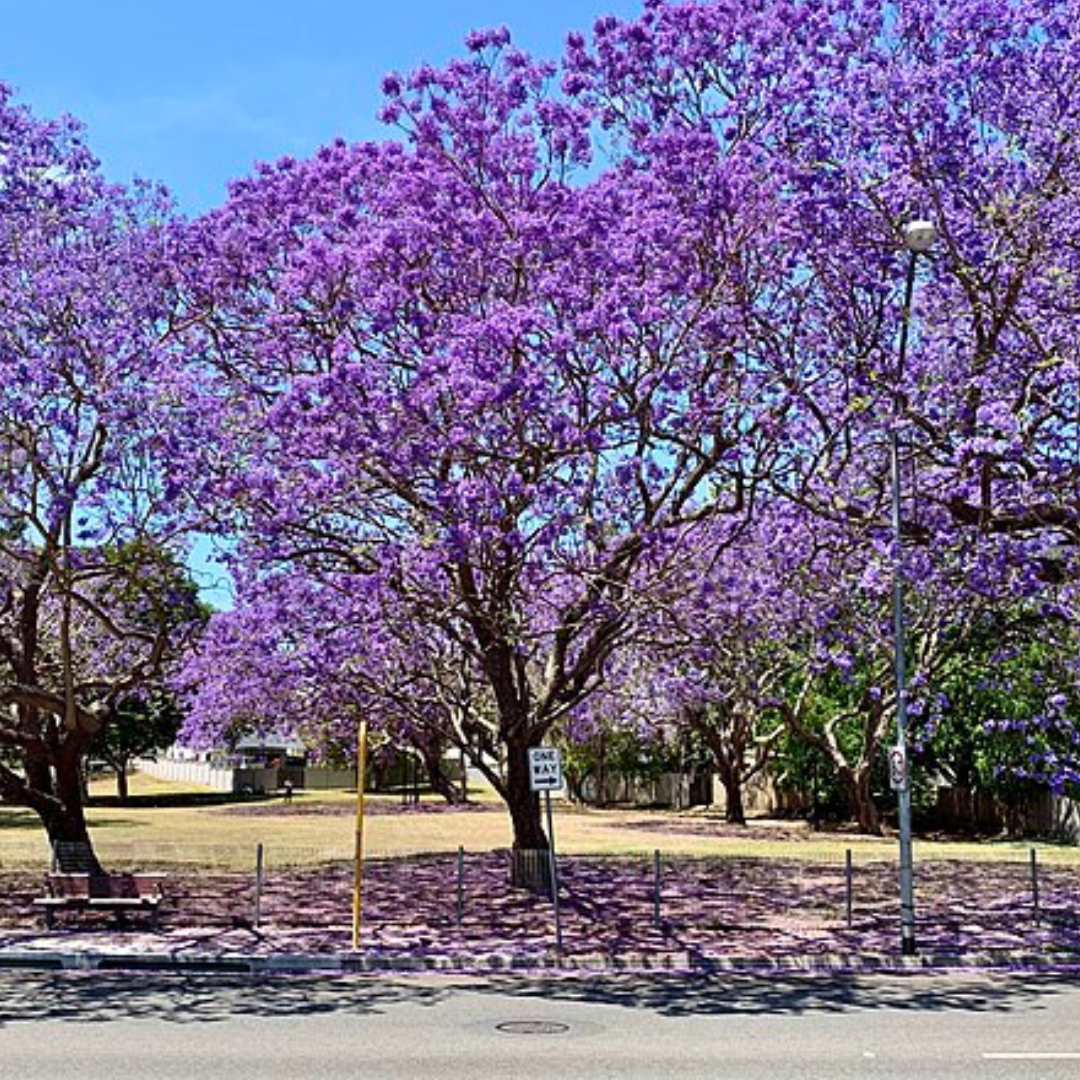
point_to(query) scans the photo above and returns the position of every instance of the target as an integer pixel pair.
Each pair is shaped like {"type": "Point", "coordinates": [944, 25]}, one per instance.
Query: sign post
{"type": "Point", "coordinates": [545, 774]}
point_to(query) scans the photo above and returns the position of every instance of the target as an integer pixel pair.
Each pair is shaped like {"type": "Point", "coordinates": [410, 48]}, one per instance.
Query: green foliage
{"type": "Point", "coordinates": [153, 587]}
{"type": "Point", "coordinates": [798, 765]}
{"type": "Point", "coordinates": [1005, 709]}
{"type": "Point", "coordinates": [617, 752]}
{"type": "Point", "coordinates": [139, 725]}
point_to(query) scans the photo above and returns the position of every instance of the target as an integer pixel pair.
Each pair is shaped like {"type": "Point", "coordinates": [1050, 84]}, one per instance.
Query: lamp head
{"type": "Point", "coordinates": [919, 236]}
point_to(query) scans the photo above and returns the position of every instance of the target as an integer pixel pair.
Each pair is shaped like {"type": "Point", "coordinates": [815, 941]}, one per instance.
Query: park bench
{"type": "Point", "coordinates": [119, 893]}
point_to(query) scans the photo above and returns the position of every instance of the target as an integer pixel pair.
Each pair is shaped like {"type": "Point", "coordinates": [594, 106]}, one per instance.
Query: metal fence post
{"type": "Point", "coordinates": [1035, 885]}
{"type": "Point", "coordinates": [460, 885]}
{"type": "Point", "coordinates": [849, 886]}
{"type": "Point", "coordinates": [258, 883]}
{"type": "Point", "coordinates": [656, 887]}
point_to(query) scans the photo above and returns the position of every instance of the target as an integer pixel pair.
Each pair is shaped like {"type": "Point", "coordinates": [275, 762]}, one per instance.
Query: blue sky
{"type": "Point", "coordinates": [192, 93]}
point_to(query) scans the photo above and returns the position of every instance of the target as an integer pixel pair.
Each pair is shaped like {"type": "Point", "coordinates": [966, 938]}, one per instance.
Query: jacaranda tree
{"type": "Point", "coordinates": [870, 115]}
{"type": "Point", "coordinates": [468, 371]}
{"type": "Point", "coordinates": [91, 602]}
{"type": "Point", "coordinates": [507, 367]}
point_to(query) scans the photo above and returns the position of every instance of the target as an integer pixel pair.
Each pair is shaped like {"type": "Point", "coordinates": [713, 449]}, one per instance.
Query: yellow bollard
{"type": "Point", "coordinates": [361, 776]}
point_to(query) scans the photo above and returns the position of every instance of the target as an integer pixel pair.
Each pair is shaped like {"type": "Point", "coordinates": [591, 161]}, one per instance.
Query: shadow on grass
{"type": "Point", "coordinates": [13, 818]}
{"type": "Point", "coordinates": [27, 819]}
{"type": "Point", "coordinates": [710, 910]}
{"type": "Point", "coordinates": [376, 807]}
{"type": "Point", "coordinates": [713, 913]}
{"type": "Point", "coordinates": [177, 799]}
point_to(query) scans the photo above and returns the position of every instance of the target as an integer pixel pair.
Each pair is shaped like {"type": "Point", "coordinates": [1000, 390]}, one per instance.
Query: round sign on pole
{"type": "Point", "coordinates": [898, 768]}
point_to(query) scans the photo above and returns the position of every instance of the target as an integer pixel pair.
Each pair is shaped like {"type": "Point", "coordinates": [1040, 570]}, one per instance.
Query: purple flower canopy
{"type": "Point", "coordinates": [499, 391]}
{"type": "Point", "coordinates": [94, 602]}
{"type": "Point", "coordinates": [585, 379]}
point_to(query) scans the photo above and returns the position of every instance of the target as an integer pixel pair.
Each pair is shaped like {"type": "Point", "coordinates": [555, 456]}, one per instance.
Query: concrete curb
{"type": "Point", "coordinates": [530, 964]}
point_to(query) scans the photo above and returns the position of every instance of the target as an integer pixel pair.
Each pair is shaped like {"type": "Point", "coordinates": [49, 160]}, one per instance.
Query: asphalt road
{"type": "Point", "coordinates": [108, 1027]}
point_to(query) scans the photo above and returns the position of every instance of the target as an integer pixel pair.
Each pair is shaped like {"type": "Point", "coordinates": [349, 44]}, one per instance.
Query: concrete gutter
{"type": "Point", "coordinates": [229, 963]}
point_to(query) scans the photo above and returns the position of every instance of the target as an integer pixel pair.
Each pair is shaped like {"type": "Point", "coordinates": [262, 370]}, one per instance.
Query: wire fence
{"type": "Point", "coordinates": [685, 909]}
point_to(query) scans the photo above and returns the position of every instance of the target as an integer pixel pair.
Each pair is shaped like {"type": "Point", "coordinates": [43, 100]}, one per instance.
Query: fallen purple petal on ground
{"type": "Point", "coordinates": [711, 910]}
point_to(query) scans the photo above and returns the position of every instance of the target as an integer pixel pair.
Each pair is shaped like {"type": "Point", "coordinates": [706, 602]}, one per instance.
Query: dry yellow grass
{"type": "Point", "coordinates": [320, 826]}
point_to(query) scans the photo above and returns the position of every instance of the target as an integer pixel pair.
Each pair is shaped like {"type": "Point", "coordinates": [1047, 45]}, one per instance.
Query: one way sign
{"type": "Point", "coordinates": [545, 769]}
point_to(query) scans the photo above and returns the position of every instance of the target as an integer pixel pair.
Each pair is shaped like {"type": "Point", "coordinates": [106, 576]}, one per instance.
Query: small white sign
{"type": "Point", "coordinates": [545, 769]}
{"type": "Point", "coordinates": [898, 768]}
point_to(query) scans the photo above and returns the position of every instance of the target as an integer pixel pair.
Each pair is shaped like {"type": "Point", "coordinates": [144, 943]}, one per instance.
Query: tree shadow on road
{"type": "Point", "coordinates": [101, 997]}
{"type": "Point", "coordinates": [789, 993]}
{"type": "Point", "coordinates": [94, 998]}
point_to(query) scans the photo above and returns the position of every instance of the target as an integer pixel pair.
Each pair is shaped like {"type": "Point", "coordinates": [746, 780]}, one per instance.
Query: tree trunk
{"type": "Point", "coordinates": [504, 669]}
{"type": "Point", "coordinates": [51, 785]}
{"type": "Point", "coordinates": [441, 784]}
{"type": "Point", "coordinates": [856, 784]}
{"type": "Point", "coordinates": [529, 866]}
{"type": "Point", "coordinates": [61, 812]}
{"type": "Point", "coordinates": [122, 784]}
{"type": "Point", "coordinates": [601, 772]}
{"type": "Point", "coordinates": [522, 802]}
{"type": "Point", "coordinates": [575, 786]}
{"type": "Point", "coordinates": [52, 744]}
{"type": "Point", "coordinates": [734, 811]}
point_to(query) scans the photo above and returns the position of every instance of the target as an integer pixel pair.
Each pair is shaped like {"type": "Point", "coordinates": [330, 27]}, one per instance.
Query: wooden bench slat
{"type": "Point", "coordinates": [120, 892]}
{"type": "Point", "coordinates": [118, 902]}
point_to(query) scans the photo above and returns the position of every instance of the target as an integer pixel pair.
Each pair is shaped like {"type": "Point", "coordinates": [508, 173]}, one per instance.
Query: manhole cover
{"type": "Point", "coordinates": [532, 1027]}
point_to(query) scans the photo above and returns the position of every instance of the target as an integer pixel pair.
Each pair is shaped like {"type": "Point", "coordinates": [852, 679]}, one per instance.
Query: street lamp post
{"type": "Point", "coordinates": [918, 238]}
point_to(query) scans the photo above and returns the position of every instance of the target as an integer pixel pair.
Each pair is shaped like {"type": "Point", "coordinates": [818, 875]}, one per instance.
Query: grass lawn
{"type": "Point", "coordinates": [318, 827]}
